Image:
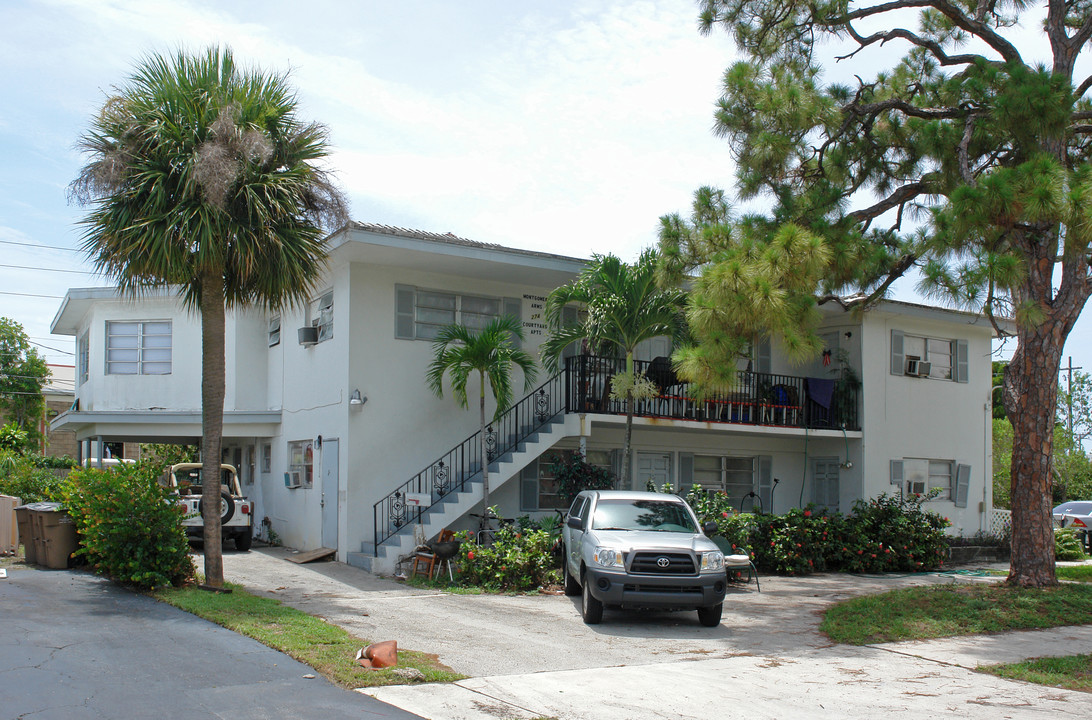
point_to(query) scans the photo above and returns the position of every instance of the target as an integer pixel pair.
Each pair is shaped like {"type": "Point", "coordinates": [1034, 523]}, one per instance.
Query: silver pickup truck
{"type": "Point", "coordinates": [634, 550]}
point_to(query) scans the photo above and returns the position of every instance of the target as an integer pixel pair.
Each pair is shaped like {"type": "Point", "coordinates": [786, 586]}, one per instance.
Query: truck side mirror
{"type": "Point", "coordinates": [575, 522]}
{"type": "Point", "coordinates": [709, 528]}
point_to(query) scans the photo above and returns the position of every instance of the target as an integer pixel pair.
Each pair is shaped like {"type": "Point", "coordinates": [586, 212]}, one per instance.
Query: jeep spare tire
{"type": "Point", "coordinates": [227, 507]}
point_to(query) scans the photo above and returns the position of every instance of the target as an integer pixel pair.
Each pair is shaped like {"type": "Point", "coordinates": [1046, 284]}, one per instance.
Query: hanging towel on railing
{"type": "Point", "coordinates": [820, 390]}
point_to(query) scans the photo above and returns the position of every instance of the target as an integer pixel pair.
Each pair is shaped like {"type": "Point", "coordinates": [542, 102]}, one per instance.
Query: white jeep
{"type": "Point", "coordinates": [235, 516]}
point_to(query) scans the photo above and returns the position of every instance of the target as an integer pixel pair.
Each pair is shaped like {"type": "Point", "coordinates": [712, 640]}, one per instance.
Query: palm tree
{"type": "Point", "coordinates": [202, 178]}
{"type": "Point", "coordinates": [623, 307]}
{"type": "Point", "coordinates": [459, 351]}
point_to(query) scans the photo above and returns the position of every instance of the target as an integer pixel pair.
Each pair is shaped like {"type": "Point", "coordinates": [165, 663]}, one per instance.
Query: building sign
{"type": "Point", "coordinates": [535, 323]}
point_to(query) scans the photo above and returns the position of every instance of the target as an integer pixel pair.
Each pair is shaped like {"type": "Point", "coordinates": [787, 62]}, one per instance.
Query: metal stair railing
{"type": "Point", "coordinates": [451, 472]}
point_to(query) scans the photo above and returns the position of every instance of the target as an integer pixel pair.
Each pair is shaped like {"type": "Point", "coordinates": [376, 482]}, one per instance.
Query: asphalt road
{"type": "Point", "coordinates": [76, 647]}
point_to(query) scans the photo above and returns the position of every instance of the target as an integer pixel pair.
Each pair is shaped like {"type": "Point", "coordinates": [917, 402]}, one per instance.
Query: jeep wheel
{"type": "Point", "coordinates": [227, 507]}
{"type": "Point", "coordinates": [710, 616]}
{"type": "Point", "coordinates": [243, 541]}
{"type": "Point", "coordinates": [590, 608]}
{"type": "Point", "coordinates": [572, 587]}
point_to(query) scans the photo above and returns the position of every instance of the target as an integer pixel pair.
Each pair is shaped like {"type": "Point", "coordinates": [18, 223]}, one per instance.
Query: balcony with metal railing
{"type": "Point", "coordinates": [763, 399]}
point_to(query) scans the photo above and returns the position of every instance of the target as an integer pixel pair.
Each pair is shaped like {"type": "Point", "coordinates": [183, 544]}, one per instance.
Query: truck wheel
{"type": "Point", "coordinates": [243, 541]}
{"type": "Point", "coordinates": [572, 587]}
{"type": "Point", "coordinates": [710, 616]}
{"type": "Point", "coordinates": [590, 608]}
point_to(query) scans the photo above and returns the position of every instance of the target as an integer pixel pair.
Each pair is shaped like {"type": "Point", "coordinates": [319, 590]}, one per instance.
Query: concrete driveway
{"type": "Point", "coordinates": [531, 656]}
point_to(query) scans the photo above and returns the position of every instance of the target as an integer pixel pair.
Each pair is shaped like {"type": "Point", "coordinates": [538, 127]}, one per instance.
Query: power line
{"type": "Point", "coordinates": [44, 247]}
{"type": "Point", "coordinates": [45, 269]}
{"type": "Point", "coordinates": [54, 297]}
{"type": "Point", "coordinates": [63, 352]}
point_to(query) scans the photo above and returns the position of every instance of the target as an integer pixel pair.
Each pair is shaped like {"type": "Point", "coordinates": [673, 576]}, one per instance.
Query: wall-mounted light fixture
{"type": "Point", "coordinates": [356, 400]}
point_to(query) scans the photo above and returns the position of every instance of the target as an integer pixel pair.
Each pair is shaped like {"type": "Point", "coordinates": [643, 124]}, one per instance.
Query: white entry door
{"type": "Point", "coordinates": [653, 466]}
{"type": "Point", "coordinates": [329, 493]}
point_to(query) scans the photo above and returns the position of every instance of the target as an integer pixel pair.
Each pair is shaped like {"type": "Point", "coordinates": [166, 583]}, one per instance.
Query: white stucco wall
{"type": "Point", "coordinates": [404, 426]}
{"type": "Point", "coordinates": [907, 417]}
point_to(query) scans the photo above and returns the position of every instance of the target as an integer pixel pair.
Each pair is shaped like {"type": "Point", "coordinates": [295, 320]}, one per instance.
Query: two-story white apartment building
{"type": "Point", "coordinates": [341, 444]}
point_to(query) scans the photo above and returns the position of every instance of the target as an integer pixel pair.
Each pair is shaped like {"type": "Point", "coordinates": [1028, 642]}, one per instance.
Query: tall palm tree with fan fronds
{"type": "Point", "coordinates": [201, 177]}
{"type": "Point", "coordinates": [459, 353]}
{"type": "Point", "coordinates": [623, 306]}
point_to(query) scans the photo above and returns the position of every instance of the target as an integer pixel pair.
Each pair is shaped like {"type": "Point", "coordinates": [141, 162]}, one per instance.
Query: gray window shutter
{"type": "Point", "coordinates": [404, 300]}
{"type": "Point", "coordinates": [765, 482]}
{"type": "Point", "coordinates": [961, 361]}
{"type": "Point", "coordinates": [962, 485]}
{"type": "Point", "coordinates": [762, 356]}
{"type": "Point", "coordinates": [514, 307]}
{"type": "Point", "coordinates": [528, 487]}
{"type": "Point", "coordinates": [896, 472]}
{"type": "Point", "coordinates": [686, 472]}
{"type": "Point", "coordinates": [898, 366]}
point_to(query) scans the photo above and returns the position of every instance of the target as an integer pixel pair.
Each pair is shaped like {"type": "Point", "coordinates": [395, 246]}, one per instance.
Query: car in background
{"type": "Point", "coordinates": [641, 550]}
{"type": "Point", "coordinates": [235, 510]}
{"type": "Point", "coordinates": [1076, 514]}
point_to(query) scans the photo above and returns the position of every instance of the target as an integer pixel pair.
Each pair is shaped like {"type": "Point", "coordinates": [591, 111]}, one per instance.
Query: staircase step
{"type": "Point", "coordinates": [360, 560]}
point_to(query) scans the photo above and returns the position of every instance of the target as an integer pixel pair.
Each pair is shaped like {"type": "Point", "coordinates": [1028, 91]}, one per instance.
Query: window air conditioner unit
{"type": "Point", "coordinates": [917, 368]}
{"type": "Point", "coordinates": [292, 479]}
{"type": "Point", "coordinates": [308, 335]}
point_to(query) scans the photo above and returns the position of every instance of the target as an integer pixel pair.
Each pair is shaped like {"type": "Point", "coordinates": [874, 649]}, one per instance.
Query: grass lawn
{"type": "Point", "coordinates": [1078, 573]}
{"type": "Point", "coordinates": [329, 649]}
{"type": "Point", "coordinates": [958, 609]}
{"type": "Point", "coordinates": [1073, 672]}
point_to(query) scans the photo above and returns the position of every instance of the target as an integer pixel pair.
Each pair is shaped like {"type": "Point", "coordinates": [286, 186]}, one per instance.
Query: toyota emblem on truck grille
{"type": "Point", "coordinates": [663, 562]}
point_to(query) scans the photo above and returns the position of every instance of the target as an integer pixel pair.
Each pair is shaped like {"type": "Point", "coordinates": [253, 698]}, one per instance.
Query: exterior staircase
{"type": "Point", "coordinates": [451, 486]}
{"type": "Point", "coordinates": [452, 507]}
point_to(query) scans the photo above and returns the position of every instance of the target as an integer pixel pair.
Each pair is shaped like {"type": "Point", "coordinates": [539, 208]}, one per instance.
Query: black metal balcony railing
{"type": "Point", "coordinates": [583, 386]}
{"type": "Point", "coordinates": [452, 471]}
{"type": "Point", "coordinates": [758, 398]}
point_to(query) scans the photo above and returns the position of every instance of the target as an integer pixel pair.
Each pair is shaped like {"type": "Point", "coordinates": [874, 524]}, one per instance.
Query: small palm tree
{"type": "Point", "coordinates": [202, 178]}
{"type": "Point", "coordinates": [624, 307]}
{"type": "Point", "coordinates": [459, 352]}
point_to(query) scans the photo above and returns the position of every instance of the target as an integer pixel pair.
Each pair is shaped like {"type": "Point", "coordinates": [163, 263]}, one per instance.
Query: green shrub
{"type": "Point", "coordinates": [574, 475]}
{"type": "Point", "coordinates": [518, 559]}
{"type": "Point", "coordinates": [23, 477]}
{"type": "Point", "coordinates": [130, 526]}
{"type": "Point", "coordinates": [1067, 545]}
{"type": "Point", "coordinates": [736, 527]}
{"type": "Point", "coordinates": [796, 543]}
{"type": "Point", "coordinates": [891, 533]}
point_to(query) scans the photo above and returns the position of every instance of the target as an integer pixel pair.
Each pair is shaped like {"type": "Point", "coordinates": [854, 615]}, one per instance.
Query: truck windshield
{"type": "Point", "coordinates": [663, 516]}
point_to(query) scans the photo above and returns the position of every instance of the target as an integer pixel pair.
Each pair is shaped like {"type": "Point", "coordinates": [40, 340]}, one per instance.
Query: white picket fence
{"type": "Point", "coordinates": [1000, 523]}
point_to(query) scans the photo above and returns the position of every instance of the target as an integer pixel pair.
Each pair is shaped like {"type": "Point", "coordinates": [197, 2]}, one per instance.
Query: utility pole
{"type": "Point", "coordinates": [1069, 398]}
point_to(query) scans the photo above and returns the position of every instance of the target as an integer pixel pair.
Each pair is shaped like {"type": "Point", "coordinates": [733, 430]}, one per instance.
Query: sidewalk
{"type": "Point", "coordinates": [531, 656]}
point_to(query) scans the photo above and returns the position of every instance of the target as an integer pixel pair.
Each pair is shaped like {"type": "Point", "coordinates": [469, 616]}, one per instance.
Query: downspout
{"type": "Point", "coordinates": [987, 463]}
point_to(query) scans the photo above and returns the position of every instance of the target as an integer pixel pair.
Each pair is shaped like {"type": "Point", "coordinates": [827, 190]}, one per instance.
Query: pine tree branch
{"type": "Point", "coordinates": [901, 196]}
{"type": "Point", "coordinates": [1083, 88]}
{"type": "Point", "coordinates": [882, 37]}
{"type": "Point", "coordinates": [978, 28]}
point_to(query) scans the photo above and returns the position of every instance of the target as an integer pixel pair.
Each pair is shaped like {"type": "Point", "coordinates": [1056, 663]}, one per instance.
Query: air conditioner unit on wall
{"type": "Point", "coordinates": [292, 479]}
{"type": "Point", "coordinates": [308, 336]}
{"type": "Point", "coordinates": [917, 368]}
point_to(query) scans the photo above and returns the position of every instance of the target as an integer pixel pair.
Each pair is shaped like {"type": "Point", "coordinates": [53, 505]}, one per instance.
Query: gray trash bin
{"type": "Point", "coordinates": [56, 535]}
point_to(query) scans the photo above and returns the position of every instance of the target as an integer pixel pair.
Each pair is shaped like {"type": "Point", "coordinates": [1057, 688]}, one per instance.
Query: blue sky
{"type": "Point", "coordinates": [568, 126]}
